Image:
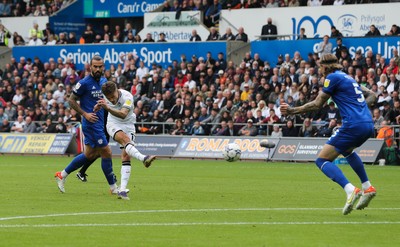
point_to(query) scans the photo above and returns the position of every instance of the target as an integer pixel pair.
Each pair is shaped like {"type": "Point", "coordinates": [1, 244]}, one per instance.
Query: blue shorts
{"type": "Point", "coordinates": [350, 136]}
{"type": "Point", "coordinates": [94, 137]}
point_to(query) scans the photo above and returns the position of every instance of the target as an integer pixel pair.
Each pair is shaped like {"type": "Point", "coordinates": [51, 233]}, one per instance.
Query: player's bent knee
{"type": "Point", "coordinates": [320, 162]}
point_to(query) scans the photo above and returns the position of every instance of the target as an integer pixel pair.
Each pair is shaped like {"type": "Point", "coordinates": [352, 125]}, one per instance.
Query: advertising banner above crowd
{"type": "Point", "coordinates": [118, 8]}
{"type": "Point", "coordinates": [270, 50]}
{"type": "Point", "coordinates": [160, 53]}
{"type": "Point", "coordinates": [177, 28]}
{"type": "Point", "coordinates": [350, 20]}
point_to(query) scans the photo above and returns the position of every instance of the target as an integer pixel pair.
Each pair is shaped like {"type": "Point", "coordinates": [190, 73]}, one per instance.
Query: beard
{"type": "Point", "coordinates": [97, 75]}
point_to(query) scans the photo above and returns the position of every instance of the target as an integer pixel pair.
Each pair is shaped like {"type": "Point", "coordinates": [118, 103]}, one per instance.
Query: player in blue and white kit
{"type": "Point", "coordinates": [357, 127]}
{"type": "Point", "coordinates": [88, 91]}
{"type": "Point", "coordinates": [121, 127]}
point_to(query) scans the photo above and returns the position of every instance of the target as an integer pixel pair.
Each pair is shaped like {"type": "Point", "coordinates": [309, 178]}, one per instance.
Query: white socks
{"type": "Point", "coordinates": [133, 152]}
{"type": "Point", "coordinates": [366, 185]}
{"type": "Point", "coordinates": [349, 188]}
{"type": "Point", "coordinates": [125, 175]}
{"type": "Point", "coordinates": [64, 174]}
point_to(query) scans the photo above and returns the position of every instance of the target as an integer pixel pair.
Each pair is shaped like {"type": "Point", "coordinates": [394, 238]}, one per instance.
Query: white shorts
{"type": "Point", "coordinates": [128, 128]}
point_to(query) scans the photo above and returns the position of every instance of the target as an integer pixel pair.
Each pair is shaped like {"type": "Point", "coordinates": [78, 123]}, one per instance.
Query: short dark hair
{"type": "Point", "coordinates": [96, 58]}
{"type": "Point", "coordinates": [108, 88]}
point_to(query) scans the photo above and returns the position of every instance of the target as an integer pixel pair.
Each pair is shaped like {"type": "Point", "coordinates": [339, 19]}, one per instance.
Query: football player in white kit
{"type": "Point", "coordinates": [121, 127]}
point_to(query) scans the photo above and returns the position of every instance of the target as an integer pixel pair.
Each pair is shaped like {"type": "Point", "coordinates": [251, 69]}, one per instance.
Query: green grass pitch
{"type": "Point", "coordinates": [193, 203]}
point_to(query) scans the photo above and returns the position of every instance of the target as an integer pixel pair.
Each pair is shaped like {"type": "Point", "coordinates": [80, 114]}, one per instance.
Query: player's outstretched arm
{"type": "Point", "coordinates": [370, 98]}
{"type": "Point", "coordinates": [310, 106]}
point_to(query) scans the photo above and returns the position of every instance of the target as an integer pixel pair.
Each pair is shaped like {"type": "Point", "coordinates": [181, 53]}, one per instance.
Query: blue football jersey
{"type": "Point", "coordinates": [89, 92]}
{"type": "Point", "coordinates": [347, 95]}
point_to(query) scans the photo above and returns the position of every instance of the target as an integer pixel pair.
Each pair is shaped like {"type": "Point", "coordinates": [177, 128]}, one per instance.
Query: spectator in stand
{"type": "Point", "coordinates": [241, 36]}
{"type": "Point", "coordinates": [51, 40]}
{"type": "Point", "coordinates": [308, 130]}
{"type": "Point", "coordinates": [249, 129]}
{"type": "Point", "coordinates": [130, 38]}
{"type": "Point", "coordinates": [324, 47]}
{"type": "Point", "coordinates": [19, 125]}
{"type": "Point", "coordinates": [327, 129]}
{"type": "Point", "coordinates": [62, 39]}
{"type": "Point", "coordinates": [30, 127]}
{"type": "Point", "coordinates": [339, 47]}
{"type": "Point", "coordinates": [231, 4]}
{"type": "Point", "coordinates": [195, 36]}
{"type": "Point", "coordinates": [5, 127]}
{"type": "Point", "coordinates": [212, 14]}
{"type": "Point", "coordinates": [392, 66]}
{"type": "Point", "coordinates": [35, 41]}
{"type": "Point", "coordinates": [5, 8]}
{"type": "Point", "coordinates": [149, 38]}
{"type": "Point", "coordinates": [373, 31]}
{"type": "Point", "coordinates": [228, 35]}
{"type": "Point", "coordinates": [166, 7]}
{"type": "Point", "coordinates": [314, 3]}
{"type": "Point", "coordinates": [128, 29]}
{"type": "Point", "coordinates": [394, 30]}
{"type": "Point", "coordinates": [71, 38]}
{"type": "Point", "coordinates": [276, 131]}
{"type": "Point", "coordinates": [302, 34]}
{"type": "Point", "coordinates": [289, 129]}
{"type": "Point", "coordinates": [88, 35]}
{"type": "Point", "coordinates": [386, 133]}
{"type": "Point", "coordinates": [271, 4]}
{"type": "Point", "coordinates": [18, 40]}
{"type": "Point", "coordinates": [269, 29]}
{"type": "Point", "coordinates": [118, 36]}
{"type": "Point", "coordinates": [214, 35]}
{"type": "Point", "coordinates": [175, 6]}
{"type": "Point", "coordinates": [335, 33]}
{"type": "Point", "coordinates": [162, 38]}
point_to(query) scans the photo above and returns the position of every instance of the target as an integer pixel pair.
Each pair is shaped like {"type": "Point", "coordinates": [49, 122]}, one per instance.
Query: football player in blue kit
{"type": "Point", "coordinates": [88, 91]}
{"type": "Point", "coordinates": [357, 127]}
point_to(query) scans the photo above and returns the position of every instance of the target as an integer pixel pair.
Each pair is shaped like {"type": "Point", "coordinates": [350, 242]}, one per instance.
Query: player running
{"type": "Point", "coordinates": [87, 92]}
{"type": "Point", "coordinates": [121, 127]}
{"type": "Point", "coordinates": [356, 129]}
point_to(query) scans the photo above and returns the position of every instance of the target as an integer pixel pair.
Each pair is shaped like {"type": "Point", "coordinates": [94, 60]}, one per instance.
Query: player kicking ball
{"type": "Point", "coordinates": [121, 127]}
{"type": "Point", "coordinates": [356, 129]}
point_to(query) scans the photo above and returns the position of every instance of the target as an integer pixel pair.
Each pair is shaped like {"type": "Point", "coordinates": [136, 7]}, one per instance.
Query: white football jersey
{"type": "Point", "coordinates": [125, 100]}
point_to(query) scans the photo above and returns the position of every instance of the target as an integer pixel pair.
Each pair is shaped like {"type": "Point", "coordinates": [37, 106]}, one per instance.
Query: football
{"type": "Point", "coordinates": [232, 152]}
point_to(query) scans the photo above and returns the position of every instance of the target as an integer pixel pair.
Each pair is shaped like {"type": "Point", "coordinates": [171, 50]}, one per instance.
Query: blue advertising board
{"type": "Point", "coordinates": [118, 8]}
{"type": "Point", "coordinates": [270, 50]}
{"type": "Point", "coordinates": [64, 22]}
{"type": "Point", "coordinates": [161, 53]}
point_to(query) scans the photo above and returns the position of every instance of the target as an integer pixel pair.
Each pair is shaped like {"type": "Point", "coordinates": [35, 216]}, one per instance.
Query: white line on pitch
{"type": "Point", "coordinates": [179, 211]}
{"type": "Point", "coordinates": [206, 224]}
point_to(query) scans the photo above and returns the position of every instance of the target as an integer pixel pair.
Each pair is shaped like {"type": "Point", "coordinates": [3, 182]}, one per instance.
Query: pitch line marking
{"type": "Point", "coordinates": [205, 224]}
{"type": "Point", "coordinates": [177, 211]}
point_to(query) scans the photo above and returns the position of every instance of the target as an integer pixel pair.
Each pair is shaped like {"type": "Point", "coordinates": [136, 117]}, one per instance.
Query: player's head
{"type": "Point", "coordinates": [329, 63]}
{"type": "Point", "coordinates": [97, 67]}
{"type": "Point", "coordinates": [109, 89]}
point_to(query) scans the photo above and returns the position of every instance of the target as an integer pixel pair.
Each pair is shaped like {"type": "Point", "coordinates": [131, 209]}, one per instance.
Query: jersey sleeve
{"type": "Point", "coordinates": [79, 88]}
{"type": "Point", "coordinates": [128, 101]}
{"type": "Point", "coordinates": [329, 84]}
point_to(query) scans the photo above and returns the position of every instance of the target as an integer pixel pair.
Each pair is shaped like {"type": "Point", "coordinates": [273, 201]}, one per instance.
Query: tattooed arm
{"type": "Point", "coordinates": [310, 106]}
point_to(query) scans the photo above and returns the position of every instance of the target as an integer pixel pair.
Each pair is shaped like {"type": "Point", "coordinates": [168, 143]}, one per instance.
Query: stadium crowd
{"type": "Point", "coordinates": [201, 95]}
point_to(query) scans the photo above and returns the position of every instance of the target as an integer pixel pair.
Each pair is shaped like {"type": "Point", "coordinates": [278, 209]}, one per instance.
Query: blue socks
{"type": "Point", "coordinates": [106, 165]}
{"type": "Point", "coordinates": [332, 171]}
{"type": "Point", "coordinates": [358, 166]}
{"type": "Point", "coordinates": [76, 163]}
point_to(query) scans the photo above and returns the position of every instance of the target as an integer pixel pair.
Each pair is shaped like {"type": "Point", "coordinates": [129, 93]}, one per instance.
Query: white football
{"type": "Point", "coordinates": [231, 152]}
